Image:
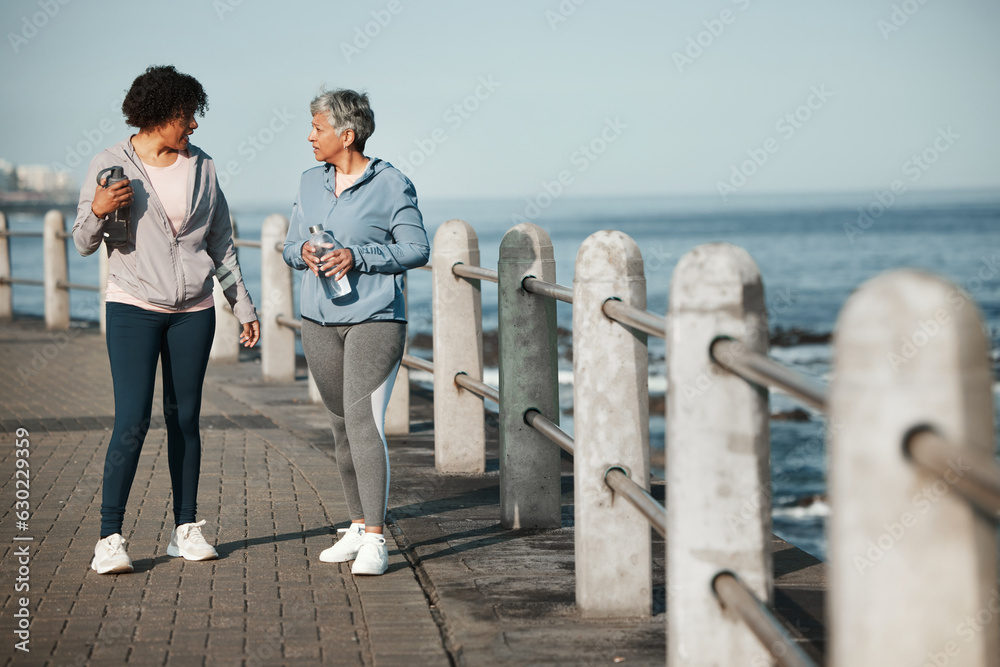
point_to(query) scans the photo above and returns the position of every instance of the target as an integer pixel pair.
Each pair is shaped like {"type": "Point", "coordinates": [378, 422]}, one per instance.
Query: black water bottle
{"type": "Point", "coordinates": [116, 229]}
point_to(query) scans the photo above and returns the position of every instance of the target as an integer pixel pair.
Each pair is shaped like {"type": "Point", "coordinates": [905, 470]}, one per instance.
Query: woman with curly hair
{"type": "Point", "coordinates": [176, 236]}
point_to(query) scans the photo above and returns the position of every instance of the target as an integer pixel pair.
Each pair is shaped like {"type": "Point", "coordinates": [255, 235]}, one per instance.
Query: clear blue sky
{"type": "Point", "coordinates": [559, 74]}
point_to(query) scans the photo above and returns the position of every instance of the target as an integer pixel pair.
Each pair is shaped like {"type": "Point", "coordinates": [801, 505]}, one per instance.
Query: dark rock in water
{"type": "Point", "coordinates": [809, 501]}
{"type": "Point", "coordinates": [422, 341]}
{"type": "Point", "coordinates": [796, 336]}
{"type": "Point", "coordinates": [796, 415]}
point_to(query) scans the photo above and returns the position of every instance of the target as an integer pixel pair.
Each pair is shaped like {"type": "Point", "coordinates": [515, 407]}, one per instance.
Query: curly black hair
{"type": "Point", "coordinates": [162, 94]}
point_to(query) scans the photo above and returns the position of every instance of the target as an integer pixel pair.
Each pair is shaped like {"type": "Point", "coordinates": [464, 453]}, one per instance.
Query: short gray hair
{"type": "Point", "coordinates": [346, 110]}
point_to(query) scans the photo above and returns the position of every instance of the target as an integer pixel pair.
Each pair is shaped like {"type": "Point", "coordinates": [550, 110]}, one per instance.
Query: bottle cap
{"type": "Point", "coordinates": [315, 228]}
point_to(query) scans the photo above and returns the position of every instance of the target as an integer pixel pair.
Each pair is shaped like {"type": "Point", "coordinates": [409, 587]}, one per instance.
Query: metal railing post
{"type": "Point", "coordinates": [6, 290]}
{"type": "Point", "coordinates": [277, 342]}
{"type": "Point", "coordinates": [459, 418]}
{"type": "Point", "coordinates": [226, 344]}
{"type": "Point", "coordinates": [397, 413]}
{"type": "Point", "coordinates": [912, 564]}
{"type": "Point", "coordinates": [717, 457]}
{"type": "Point", "coordinates": [56, 269]}
{"type": "Point", "coordinates": [530, 480]}
{"type": "Point", "coordinates": [611, 428]}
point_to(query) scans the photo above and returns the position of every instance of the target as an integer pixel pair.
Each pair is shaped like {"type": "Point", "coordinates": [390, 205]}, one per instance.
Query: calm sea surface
{"type": "Point", "coordinates": [809, 262]}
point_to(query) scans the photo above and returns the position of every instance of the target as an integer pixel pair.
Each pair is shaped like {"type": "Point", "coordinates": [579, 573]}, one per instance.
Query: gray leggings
{"type": "Point", "coordinates": [355, 366]}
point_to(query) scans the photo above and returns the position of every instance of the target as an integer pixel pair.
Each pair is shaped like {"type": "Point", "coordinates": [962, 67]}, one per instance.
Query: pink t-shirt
{"type": "Point", "coordinates": [170, 185]}
{"type": "Point", "coordinates": [344, 181]}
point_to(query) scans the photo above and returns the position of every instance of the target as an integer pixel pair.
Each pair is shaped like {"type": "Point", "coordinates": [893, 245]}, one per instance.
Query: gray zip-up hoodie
{"type": "Point", "coordinates": [174, 272]}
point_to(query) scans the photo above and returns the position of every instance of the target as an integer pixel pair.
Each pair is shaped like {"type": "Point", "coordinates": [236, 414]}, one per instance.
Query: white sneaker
{"type": "Point", "coordinates": [373, 557]}
{"type": "Point", "coordinates": [346, 548]}
{"type": "Point", "coordinates": [186, 540]}
{"type": "Point", "coordinates": [110, 556]}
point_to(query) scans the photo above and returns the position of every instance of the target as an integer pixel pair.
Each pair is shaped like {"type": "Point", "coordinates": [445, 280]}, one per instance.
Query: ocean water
{"type": "Point", "coordinates": [812, 253]}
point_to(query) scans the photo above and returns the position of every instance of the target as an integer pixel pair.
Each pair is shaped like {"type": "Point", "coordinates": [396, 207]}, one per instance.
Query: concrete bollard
{"type": "Point", "coordinates": [56, 269]}
{"type": "Point", "coordinates": [611, 429]}
{"type": "Point", "coordinates": [314, 395]}
{"type": "Point", "coordinates": [717, 457]}
{"type": "Point", "coordinates": [459, 417]}
{"type": "Point", "coordinates": [6, 291]}
{"type": "Point", "coordinates": [530, 480]}
{"type": "Point", "coordinates": [397, 413]}
{"type": "Point", "coordinates": [912, 565]}
{"type": "Point", "coordinates": [277, 342]}
{"type": "Point", "coordinates": [226, 344]}
{"type": "Point", "coordinates": [103, 269]}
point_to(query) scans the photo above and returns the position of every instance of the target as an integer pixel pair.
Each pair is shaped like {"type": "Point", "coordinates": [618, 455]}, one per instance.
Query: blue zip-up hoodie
{"type": "Point", "coordinates": [377, 219]}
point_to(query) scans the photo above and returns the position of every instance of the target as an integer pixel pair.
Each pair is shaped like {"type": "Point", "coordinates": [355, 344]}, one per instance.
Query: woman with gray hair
{"type": "Point", "coordinates": [354, 342]}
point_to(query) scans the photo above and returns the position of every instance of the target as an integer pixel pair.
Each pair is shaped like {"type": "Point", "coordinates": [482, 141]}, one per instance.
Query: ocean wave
{"type": "Point", "coordinates": [802, 508]}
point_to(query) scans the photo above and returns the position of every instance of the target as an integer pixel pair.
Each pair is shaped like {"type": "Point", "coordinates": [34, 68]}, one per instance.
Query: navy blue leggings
{"type": "Point", "coordinates": [136, 339]}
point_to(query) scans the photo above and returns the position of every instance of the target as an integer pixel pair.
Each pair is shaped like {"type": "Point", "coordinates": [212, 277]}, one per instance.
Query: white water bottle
{"type": "Point", "coordinates": [323, 242]}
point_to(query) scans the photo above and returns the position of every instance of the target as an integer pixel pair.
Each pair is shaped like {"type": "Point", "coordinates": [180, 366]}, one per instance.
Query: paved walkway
{"type": "Point", "coordinates": [459, 590]}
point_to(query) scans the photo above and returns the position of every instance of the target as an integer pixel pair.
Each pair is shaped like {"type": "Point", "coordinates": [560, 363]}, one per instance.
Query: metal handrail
{"type": "Point", "coordinates": [549, 429]}
{"type": "Point", "coordinates": [732, 594]}
{"type": "Point", "coordinates": [288, 322]}
{"type": "Point", "coordinates": [416, 362]}
{"type": "Point", "coordinates": [475, 272]}
{"type": "Point", "coordinates": [976, 474]}
{"type": "Point", "coordinates": [650, 507]}
{"type": "Point", "coordinates": [14, 234]}
{"type": "Point", "coordinates": [477, 387]}
{"type": "Point", "coordinates": [247, 243]}
{"type": "Point", "coordinates": [630, 316]}
{"type": "Point", "coordinates": [551, 290]}
{"type": "Point", "coordinates": [759, 369]}
{"type": "Point", "coordinates": [89, 288]}
{"type": "Point", "coordinates": [22, 281]}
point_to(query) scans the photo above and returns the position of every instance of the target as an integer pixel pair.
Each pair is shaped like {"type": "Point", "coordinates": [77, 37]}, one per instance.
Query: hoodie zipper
{"type": "Point", "coordinates": [327, 224]}
{"type": "Point", "coordinates": [174, 248]}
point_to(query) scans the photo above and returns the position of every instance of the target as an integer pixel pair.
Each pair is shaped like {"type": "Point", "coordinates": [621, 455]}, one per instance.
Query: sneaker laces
{"type": "Point", "coordinates": [351, 530]}
{"type": "Point", "coordinates": [192, 532]}
{"type": "Point", "coordinates": [113, 545]}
